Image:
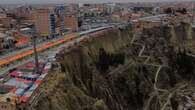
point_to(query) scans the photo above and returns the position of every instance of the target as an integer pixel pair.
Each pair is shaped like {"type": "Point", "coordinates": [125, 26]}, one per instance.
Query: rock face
{"type": "Point", "coordinates": [81, 86]}
{"type": "Point", "coordinates": [109, 73]}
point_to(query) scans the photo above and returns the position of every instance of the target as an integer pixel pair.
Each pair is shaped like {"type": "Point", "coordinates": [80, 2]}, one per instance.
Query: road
{"type": "Point", "coordinates": [146, 63]}
{"type": "Point", "coordinates": [27, 48]}
{"type": "Point", "coordinates": [53, 50]}
{"type": "Point", "coordinates": [126, 66]}
{"type": "Point", "coordinates": [156, 89]}
{"type": "Point", "coordinates": [50, 44]}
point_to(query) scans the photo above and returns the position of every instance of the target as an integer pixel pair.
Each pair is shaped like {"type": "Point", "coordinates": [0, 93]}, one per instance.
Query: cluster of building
{"type": "Point", "coordinates": [48, 21]}
{"type": "Point", "coordinates": [161, 20]}
{"type": "Point", "coordinates": [22, 23]}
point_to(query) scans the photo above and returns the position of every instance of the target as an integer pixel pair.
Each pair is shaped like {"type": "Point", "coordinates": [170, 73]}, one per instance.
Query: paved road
{"type": "Point", "coordinates": [27, 48]}
{"type": "Point", "coordinates": [50, 52]}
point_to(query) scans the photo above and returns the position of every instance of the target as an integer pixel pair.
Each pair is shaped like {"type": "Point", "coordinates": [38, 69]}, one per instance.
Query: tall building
{"type": "Point", "coordinates": [52, 23]}
{"type": "Point", "coordinates": [60, 12]}
{"type": "Point", "coordinates": [44, 21]}
{"type": "Point", "coordinates": [71, 22]}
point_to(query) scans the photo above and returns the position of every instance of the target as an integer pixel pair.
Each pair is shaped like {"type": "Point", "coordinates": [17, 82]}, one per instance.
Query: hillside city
{"type": "Point", "coordinates": [97, 56]}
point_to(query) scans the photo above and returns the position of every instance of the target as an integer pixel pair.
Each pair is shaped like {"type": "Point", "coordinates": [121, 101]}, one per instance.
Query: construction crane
{"type": "Point", "coordinates": [34, 37]}
{"type": "Point", "coordinates": [36, 56]}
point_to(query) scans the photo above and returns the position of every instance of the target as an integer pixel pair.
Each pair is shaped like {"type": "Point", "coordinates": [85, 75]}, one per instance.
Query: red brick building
{"type": "Point", "coordinates": [41, 21]}
{"type": "Point", "coordinates": [71, 22]}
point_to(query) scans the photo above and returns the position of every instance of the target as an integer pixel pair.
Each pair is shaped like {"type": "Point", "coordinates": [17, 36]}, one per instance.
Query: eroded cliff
{"type": "Point", "coordinates": [117, 70]}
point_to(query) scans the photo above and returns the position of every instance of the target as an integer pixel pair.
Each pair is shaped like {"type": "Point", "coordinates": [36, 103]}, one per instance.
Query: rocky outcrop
{"type": "Point", "coordinates": [109, 73]}
{"type": "Point", "coordinates": [81, 86]}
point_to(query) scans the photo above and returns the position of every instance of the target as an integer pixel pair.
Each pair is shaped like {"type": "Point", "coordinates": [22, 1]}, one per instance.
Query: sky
{"type": "Point", "coordinates": [76, 1]}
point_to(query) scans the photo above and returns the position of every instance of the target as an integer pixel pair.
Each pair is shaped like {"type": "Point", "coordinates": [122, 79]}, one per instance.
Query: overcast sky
{"type": "Point", "coordinates": [77, 1]}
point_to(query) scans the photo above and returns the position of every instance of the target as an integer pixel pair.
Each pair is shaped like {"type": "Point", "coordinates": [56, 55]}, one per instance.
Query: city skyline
{"type": "Point", "coordinates": [78, 1]}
